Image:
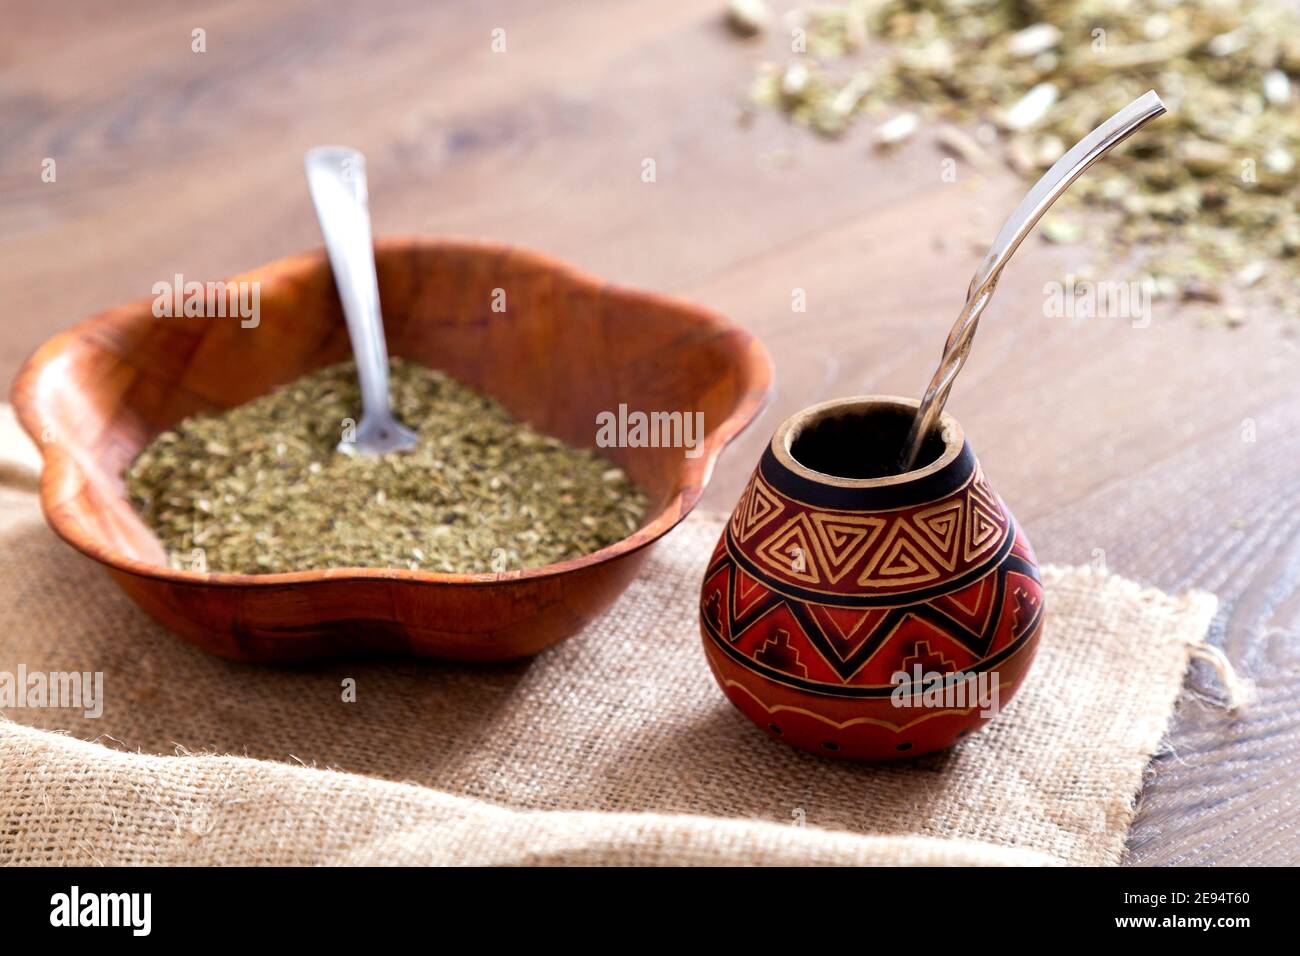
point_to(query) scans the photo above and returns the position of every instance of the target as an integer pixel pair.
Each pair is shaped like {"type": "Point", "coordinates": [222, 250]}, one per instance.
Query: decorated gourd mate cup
{"type": "Point", "coordinates": [856, 612]}
{"type": "Point", "coordinates": [871, 596]}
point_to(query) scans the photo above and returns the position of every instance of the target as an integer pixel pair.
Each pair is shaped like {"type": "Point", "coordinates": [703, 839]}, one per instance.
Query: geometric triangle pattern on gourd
{"type": "Point", "coordinates": [973, 606]}
{"type": "Point", "coordinates": [757, 507]}
{"type": "Point", "coordinates": [983, 520]}
{"type": "Point", "coordinates": [846, 657]}
{"type": "Point", "coordinates": [846, 629]}
{"type": "Point", "coordinates": [835, 552]}
{"type": "Point", "coordinates": [901, 644]}
{"type": "Point", "coordinates": [792, 644]}
{"type": "Point", "coordinates": [942, 526]}
{"type": "Point", "coordinates": [1021, 605]}
{"type": "Point", "coordinates": [794, 550]}
{"type": "Point", "coordinates": [903, 559]}
{"type": "Point", "coordinates": [863, 646]}
{"type": "Point", "coordinates": [746, 595]}
{"type": "Point", "coordinates": [844, 539]}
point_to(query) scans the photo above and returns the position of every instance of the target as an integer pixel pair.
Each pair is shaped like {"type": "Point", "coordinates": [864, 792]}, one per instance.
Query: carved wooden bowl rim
{"type": "Point", "coordinates": [62, 475]}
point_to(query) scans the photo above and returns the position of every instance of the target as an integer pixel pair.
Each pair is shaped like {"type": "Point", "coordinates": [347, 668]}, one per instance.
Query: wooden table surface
{"type": "Point", "coordinates": [1113, 443]}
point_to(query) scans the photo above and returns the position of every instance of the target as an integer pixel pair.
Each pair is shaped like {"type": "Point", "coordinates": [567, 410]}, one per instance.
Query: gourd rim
{"type": "Point", "coordinates": [788, 432]}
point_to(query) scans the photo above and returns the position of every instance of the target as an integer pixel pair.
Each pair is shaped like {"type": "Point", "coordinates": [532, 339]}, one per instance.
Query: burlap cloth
{"type": "Point", "coordinates": [615, 747]}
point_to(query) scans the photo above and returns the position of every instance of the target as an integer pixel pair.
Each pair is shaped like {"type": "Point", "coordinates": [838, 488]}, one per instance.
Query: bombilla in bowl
{"type": "Point", "coordinates": [1021, 222]}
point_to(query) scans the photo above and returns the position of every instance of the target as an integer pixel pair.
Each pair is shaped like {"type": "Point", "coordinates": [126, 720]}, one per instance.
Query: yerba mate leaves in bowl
{"type": "Point", "coordinates": [260, 488]}
{"type": "Point", "coordinates": [1208, 198]}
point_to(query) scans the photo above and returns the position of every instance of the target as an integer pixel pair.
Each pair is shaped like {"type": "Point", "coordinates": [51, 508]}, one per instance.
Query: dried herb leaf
{"type": "Point", "coordinates": [261, 488]}
{"type": "Point", "coordinates": [1203, 193]}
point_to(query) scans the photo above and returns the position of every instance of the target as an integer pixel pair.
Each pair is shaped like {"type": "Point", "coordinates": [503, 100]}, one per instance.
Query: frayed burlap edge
{"type": "Point", "coordinates": [71, 799]}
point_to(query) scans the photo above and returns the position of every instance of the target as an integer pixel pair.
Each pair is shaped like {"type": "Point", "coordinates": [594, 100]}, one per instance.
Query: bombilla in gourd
{"type": "Point", "coordinates": [1021, 222]}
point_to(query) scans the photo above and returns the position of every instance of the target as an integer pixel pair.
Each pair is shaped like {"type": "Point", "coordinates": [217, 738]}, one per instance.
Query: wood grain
{"type": "Point", "coordinates": [1109, 442]}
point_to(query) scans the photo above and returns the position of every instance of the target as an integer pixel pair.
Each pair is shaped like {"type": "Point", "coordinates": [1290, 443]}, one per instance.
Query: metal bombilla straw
{"type": "Point", "coordinates": [1021, 222]}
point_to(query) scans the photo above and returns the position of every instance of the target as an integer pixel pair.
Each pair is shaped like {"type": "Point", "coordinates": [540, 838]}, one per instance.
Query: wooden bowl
{"type": "Point", "coordinates": [567, 347]}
